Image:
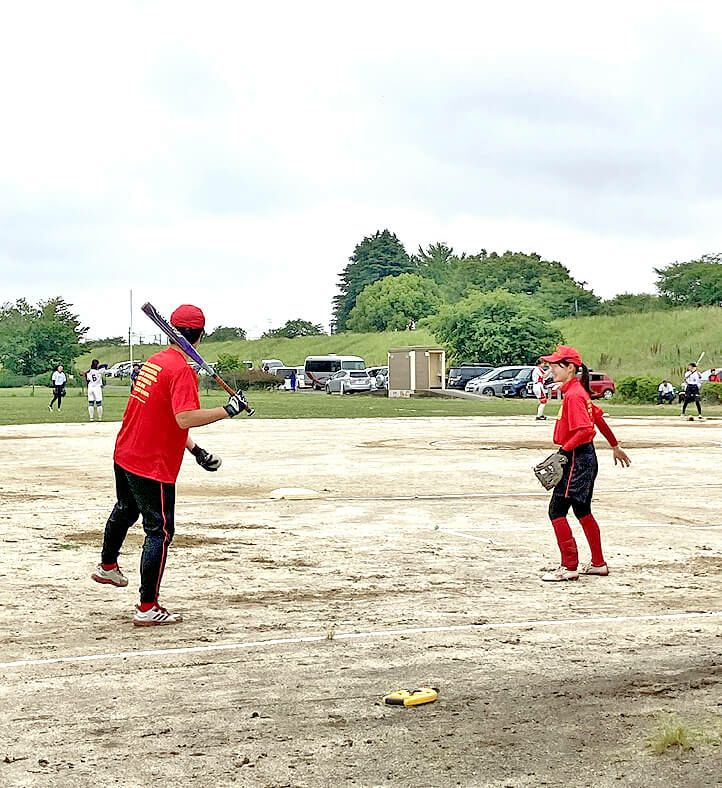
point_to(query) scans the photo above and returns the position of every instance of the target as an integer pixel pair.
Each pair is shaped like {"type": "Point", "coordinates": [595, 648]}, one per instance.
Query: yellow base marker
{"type": "Point", "coordinates": [412, 697]}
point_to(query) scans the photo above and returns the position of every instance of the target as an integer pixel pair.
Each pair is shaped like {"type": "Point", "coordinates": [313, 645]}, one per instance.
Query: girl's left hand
{"type": "Point", "coordinates": [621, 457]}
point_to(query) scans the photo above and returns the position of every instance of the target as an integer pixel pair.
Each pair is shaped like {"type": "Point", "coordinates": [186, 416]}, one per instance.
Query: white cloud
{"type": "Point", "coordinates": [234, 156]}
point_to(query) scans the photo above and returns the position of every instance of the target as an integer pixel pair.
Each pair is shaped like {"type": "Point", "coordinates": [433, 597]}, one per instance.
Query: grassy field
{"type": "Point", "coordinates": [25, 406]}
{"type": "Point", "coordinates": [653, 343]}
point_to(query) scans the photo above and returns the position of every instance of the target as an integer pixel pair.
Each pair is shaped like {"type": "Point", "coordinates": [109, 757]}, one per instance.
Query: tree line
{"type": "Point", "coordinates": [492, 306]}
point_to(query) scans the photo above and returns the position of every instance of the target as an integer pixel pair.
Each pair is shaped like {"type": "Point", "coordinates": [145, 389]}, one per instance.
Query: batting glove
{"type": "Point", "coordinates": [207, 461]}
{"type": "Point", "coordinates": [236, 404]}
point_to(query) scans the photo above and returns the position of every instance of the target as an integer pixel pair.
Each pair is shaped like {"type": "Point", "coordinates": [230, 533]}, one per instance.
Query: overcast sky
{"type": "Point", "coordinates": [232, 154]}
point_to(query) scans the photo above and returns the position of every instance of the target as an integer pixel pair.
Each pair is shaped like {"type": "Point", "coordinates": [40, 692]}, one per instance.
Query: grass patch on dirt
{"type": "Point", "coordinates": [135, 539]}
{"type": "Point", "coordinates": [676, 737]}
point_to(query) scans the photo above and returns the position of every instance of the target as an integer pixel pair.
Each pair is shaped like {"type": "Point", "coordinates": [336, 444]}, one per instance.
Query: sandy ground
{"type": "Point", "coordinates": [418, 564]}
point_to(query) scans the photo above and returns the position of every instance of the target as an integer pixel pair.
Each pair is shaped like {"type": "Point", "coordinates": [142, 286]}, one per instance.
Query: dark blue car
{"type": "Point", "coordinates": [520, 386]}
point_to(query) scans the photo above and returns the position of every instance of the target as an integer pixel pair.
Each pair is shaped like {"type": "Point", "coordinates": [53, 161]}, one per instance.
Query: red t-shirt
{"type": "Point", "coordinates": [575, 422]}
{"type": "Point", "coordinates": [150, 442]}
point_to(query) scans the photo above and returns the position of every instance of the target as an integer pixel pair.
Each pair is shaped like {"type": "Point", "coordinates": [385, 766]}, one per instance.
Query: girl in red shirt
{"type": "Point", "coordinates": [574, 432]}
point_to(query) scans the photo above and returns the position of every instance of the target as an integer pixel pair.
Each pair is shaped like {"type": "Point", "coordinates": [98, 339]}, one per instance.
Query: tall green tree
{"type": "Point", "coordinates": [296, 328]}
{"type": "Point", "coordinates": [34, 339]}
{"type": "Point", "coordinates": [436, 262]}
{"type": "Point", "coordinates": [566, 298]}
{"type": "Point", "coordinates": [392, 303]}
{"type": "Point", "coordinates": [377, 256]}
{"type": "Point", "coordinates": [694, 283]}
{"type": "Point", "coordinates": [499, 327]}
{"type": "Point", "coordinates": [519, 272]}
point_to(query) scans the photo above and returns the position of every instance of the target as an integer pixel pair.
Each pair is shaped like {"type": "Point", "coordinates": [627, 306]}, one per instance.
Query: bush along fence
{"type": "Point", "coordinates": [241, 379]}
{"type": "Point", "coordinates": [644, 390]}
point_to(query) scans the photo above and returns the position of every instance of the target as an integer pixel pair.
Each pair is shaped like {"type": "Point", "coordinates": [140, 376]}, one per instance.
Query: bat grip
{"type": "Point", "coordinates": [222, 383]}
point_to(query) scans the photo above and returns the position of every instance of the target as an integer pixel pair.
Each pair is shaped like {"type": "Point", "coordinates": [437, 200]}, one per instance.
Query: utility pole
{"type": "Point", "coordinates": [130, 331]}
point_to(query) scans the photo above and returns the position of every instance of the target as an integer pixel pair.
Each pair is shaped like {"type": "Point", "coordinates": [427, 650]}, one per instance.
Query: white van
{"type": "Point", "coordinates": [271, 363]}
{"type": "Point", "coordinates": [318, 369]}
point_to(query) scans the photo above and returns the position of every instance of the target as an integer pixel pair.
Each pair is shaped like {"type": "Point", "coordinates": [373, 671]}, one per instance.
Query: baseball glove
{"type": "Point", "coordinates": [550, 471]}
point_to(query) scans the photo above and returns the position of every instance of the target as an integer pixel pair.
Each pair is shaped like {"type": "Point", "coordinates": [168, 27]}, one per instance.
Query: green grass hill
{"type": "Point", "coordinates": [648, 343]}
{"type": "Point", "coordinates": [658, 343]}
{"type": "Point", "coordinates": [371, 347]}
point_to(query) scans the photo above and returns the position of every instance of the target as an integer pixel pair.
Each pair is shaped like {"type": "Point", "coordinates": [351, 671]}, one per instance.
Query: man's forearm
{"type": "Point", "coordinates": [199, 418]}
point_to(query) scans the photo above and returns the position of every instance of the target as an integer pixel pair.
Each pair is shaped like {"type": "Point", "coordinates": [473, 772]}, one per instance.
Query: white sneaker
{"type": "Point", "coordinates": [113, 577]}
{"type": "Point", "coordinates": [560, 575]}
{"type": "Point", "coordinates": [590, 569]}
{"type": "Point", "coordinates": [155, 617]}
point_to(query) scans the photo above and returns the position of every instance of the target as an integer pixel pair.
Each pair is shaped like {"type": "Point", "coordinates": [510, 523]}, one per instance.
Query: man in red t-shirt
{"type": "Point", "coordinates": [149, 448]}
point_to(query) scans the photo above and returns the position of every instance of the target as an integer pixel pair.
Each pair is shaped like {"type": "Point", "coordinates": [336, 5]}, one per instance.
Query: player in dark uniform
{"type": "Point", "coordinates": [574, 433]}
{"type": "Point", "coordinates": [149, 450]}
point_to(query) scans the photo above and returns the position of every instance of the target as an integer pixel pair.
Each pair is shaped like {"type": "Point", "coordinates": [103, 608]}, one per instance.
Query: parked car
{"type": "Point", "coordinates": [268, 364]}
{"type": "Point", "coordinates": [601, 385]}
{"type": "Point", "coordinates": [198, 369]}
{"type": "Point", "coordinates": [461, 375]}
{"type": "Point", "coordinates": [599, 382]}
{"type": "Point", "coordinates": [120, 370]}
{"type": "Point", "coordinates": [283, 372]}
{"type": "Point", "coordinates": [382, 379]}
{"type": "Point", "coordinates": [347, 380]}
{"type": "Point", "coordinates": [374, 372]}
{"type": "Point", "coordinates": [520, 386]}
{"type": "Point", "coordinates": [492, 384]}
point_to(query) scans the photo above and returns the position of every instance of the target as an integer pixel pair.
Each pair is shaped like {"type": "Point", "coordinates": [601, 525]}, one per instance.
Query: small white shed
{"type": "Point", "coordinates": [416, 369]}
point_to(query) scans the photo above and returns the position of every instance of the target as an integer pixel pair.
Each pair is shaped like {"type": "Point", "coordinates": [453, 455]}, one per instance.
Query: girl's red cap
{"type": "Point", "coordinates": [564, 353]}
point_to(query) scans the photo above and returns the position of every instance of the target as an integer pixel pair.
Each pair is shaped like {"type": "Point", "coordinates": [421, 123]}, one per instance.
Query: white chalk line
{"type": "Point", "coordinates": [381, 633]}
{"type": "Point", "coordinates": [205, 500]}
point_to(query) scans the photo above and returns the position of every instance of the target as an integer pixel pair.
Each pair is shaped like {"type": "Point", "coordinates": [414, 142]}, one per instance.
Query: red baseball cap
{"type": "Point", "coordinates": [188, 316]}
{"type": "Point", "coordinates": [564, 353]}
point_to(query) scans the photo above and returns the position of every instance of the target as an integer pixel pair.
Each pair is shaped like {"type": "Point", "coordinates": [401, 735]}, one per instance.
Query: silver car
{"type": "Point", "coordinates": [492, 384]}
{"type": "Point", "coordinates": [346, 381]}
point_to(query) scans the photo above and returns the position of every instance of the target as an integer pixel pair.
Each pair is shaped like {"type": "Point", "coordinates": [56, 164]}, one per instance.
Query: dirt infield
{"type": "Point", "coordinates": [418, 563]}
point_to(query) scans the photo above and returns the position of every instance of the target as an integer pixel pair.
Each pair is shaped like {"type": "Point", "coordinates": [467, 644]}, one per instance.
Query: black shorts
{"type": "Point", "coordinates": [580, 473]}
{"type": "Point", "coordinates": [691, 393]}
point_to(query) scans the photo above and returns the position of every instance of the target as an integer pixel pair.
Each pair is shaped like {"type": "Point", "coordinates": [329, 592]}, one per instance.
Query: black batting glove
{"type": "Point", "coordinates": [208, 462]}
{"type": "Point", "coordinates": [236, 404]}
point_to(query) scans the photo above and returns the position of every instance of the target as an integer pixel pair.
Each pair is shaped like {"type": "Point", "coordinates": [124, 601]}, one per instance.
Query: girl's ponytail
{"type": "Point", "coordinates": [584, 380]}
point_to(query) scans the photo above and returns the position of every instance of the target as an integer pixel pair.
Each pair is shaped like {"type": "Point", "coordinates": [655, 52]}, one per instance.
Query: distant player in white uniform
{"type": "Point", "coordinates": [59, 378]}
{"type": "Point", "coordinates": [537, 379]}
{"type": "Point", "coordinates": [692, 385]}
{"type": "Point", "coordinates": [95, 390]}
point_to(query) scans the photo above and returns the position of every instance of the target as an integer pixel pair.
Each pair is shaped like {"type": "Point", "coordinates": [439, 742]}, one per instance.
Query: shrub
{"type": "Point", "coordinates": [10, 380]}
{"type": "Point", "coordinates": [638, 389]}
{"type": "Point", "coordinates": [242, 378]}
{"type": "Point", "coordinates": [712, 393]}
{"type": "Point", "coordinates": [227, 362]}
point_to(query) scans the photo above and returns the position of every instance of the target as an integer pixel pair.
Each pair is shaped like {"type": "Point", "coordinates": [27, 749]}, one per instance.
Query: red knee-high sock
{"type": "Point", "coordinates": [591, 531]}
{"type": "Point", "coordinates": [567, 545]}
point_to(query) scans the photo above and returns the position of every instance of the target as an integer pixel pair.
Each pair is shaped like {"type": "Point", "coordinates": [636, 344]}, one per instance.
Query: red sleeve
{"type": "Point", "coordinates": [184, 391]}
{"type": "Point", "coordinates": [578, 413]}
{"type": "Point", "coordinates": [601, 424]}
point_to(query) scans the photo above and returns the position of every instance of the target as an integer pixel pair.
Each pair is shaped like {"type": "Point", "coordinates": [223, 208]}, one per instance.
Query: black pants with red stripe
{"type": "Point", "coordinates": [155, 501]}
